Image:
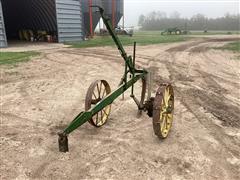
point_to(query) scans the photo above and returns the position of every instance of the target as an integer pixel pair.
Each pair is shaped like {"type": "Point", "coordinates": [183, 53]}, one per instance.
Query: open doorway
{"type": "Point", "coordinates": [30, 20]}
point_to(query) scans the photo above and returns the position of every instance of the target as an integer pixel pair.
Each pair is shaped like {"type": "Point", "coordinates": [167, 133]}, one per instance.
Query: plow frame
{"type": "Point", "coordinates": [125, 84]}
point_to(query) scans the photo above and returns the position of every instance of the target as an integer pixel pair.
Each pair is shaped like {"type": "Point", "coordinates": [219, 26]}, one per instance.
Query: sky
{"type": "Point", "coordinates": [210, 8]}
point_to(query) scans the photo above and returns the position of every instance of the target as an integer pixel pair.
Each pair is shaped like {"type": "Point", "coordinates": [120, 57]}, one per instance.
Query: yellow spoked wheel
{"type": "Point", "coordinates": [97, 91]}
{"type": "Point", "coordinates": [163, 108]}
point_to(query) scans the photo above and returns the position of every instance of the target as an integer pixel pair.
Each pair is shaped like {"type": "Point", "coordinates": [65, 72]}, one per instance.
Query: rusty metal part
{"type": "Point", "coordinates": [62, 142]}
{"type": "Point", "coordinates": [143, 93]}
{"type": "Point", "coordinates": [96, 92]}
{"type": "Point", "coordinates": [148, 106]}
{"type": "Point", "coordinates": [163, 107]}
{"type": "Point", "coordinates": [141, 97]}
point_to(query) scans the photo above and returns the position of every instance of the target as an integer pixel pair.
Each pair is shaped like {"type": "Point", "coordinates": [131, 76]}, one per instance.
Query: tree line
{"type": "Point", "coordinates": [157, 20]}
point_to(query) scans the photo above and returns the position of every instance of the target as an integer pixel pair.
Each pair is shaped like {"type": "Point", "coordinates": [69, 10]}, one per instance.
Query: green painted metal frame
{"type": "Point", "coordinates": [136, 74]}
{"type": "Point", "coordinates": [85, 116]}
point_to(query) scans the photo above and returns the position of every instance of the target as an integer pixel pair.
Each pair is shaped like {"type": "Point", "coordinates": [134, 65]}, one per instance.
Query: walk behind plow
{"type": "Point", "coordinates": [99, 97]}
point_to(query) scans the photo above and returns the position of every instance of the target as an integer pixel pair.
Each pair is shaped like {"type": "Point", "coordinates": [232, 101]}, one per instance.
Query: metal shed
{"type": "Point", "coordinates": [65, 20]}
{"type": "Point", "coordinates": [60, 17]}
{"type": "Point", "coordinates": [3, 39]}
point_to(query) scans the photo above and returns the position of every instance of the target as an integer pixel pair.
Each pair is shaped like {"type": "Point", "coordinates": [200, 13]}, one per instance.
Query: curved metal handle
{"type": "Point", "coordinates": [101, 10]}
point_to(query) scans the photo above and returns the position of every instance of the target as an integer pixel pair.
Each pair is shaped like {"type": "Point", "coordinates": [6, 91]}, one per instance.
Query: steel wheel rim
{"type": "Point", "coordinates": [163, 110]}
{"type": "Point", "coordinates": [165, 116]}
{"type": "Point", "coordinates": [96, 92]}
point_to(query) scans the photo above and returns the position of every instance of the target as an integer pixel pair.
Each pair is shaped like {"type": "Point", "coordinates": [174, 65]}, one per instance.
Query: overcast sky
{"type": "Point", "coordinates": [187, 8]}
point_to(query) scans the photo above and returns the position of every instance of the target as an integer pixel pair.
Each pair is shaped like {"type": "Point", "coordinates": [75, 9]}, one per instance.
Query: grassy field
{"type": "Point", "coordinates": [144, 38]}
{"type": "Point", "coordinates": [16, 57]}
{"type": "Point", "coordinates": [194, 32]}
{"type": "Point", "coordinates": [234, 46]}
{"type": "Point", "coordinates": [141, 37]}
{"type": "Point", "coordinates": [214, 32]}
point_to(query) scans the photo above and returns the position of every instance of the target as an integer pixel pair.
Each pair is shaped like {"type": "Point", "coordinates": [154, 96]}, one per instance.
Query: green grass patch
{"type": "Point", "coordinates": [214, 33]}
{"type": "Point", "coordinates": [16, 57]}
{"type": "Point", "coordinates": [141, 37]}
{"type": "Point", "coordinates": [234, 46]}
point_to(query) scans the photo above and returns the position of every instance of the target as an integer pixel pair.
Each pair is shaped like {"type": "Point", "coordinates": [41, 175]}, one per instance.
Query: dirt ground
{"type": "Point", "coordinates": [40, 97]}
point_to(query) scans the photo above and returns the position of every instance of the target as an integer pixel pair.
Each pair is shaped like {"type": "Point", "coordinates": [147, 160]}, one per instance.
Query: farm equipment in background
{"type": "Point", "coordinates": [37, 36]}
{"type": "Point", "coordinates": [103, 32]}
{"type": "Point", "coordinates": [118, 31]}
{"type": "Point", "coordinates": [99, 97]}
{"type": "Point", "coordinates": [127, 31]}
{"type": "Point", "coordinates": [171, 31]}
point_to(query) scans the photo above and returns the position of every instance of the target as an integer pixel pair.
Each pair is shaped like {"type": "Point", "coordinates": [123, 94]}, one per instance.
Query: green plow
{"type": "Point", "coordinates": [99, 97]}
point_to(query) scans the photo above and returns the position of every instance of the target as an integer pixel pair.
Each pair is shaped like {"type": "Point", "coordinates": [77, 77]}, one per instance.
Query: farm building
{"type": "Point", "coordinates": [53, 20]}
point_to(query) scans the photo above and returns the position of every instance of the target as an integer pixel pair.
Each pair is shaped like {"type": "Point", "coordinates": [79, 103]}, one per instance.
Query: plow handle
{"type": "Point", "coordinates": [106, 21]}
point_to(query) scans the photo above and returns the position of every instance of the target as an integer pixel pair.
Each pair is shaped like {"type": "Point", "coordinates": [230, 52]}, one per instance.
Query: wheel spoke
{"type": "Point", "coordinates": [103, 92]}
{"type": "Point", "coordinates": [163, 103]}
{"type": "Point", "coordinates": [101, 115]}
{"type": "Point", "coordinates": [170, 118]}
{"type": "Point", "coordinates": [94, 95]}
{"type": "Point", "coordinates": [98, 91]}
{"type": "Point", "coordinates": [104, 112]}
{"type": "Point", "coordinates": [166, 122]}
{"type": "Point", "coordinates": [163, 123]}
{"type": "Point", "coordinates": [166, 95]}
{"type": "Point", "coordinates": [97, 118]}
{"type": "Point", "coordinates": [161, 116]}
{"type": "Point", "coordinates": [169, 100]}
